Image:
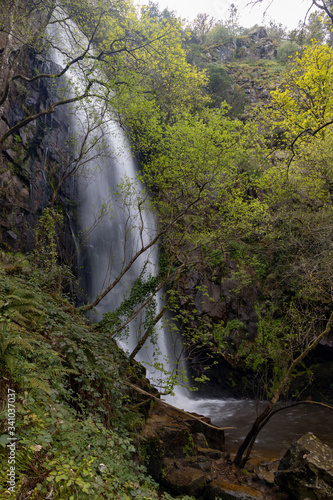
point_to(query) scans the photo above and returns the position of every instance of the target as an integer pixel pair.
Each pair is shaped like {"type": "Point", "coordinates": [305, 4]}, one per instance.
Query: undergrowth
{"type": "Point", "coordinates": [72, 415]}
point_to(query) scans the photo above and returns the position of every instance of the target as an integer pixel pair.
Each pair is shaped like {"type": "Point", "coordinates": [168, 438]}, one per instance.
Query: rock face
{"type": "Point", "coordinates": [32, 163]}
{"type": "Point", "coordinates": [255, 45]}
{"type": "Point", "coordinates": [218, 296]}
{"type": "Point", "coordinates": [306, 471]}
{"type": "Point", "coordinates": [170, 434]}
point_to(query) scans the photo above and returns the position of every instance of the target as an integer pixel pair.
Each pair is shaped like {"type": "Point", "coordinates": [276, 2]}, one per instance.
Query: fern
{"type": "Point", "coordinates": [29, 374]}
{"type": "Point", "coordinates": [18, 341]}
{"type": "Point", "coordinates": [59, 372]}
{"type": "Point", "coordinates": [20, 307]}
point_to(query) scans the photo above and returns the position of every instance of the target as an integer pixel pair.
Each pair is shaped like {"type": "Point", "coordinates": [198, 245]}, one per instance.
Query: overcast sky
{"type": "Point", "coordinates": [287, 12]}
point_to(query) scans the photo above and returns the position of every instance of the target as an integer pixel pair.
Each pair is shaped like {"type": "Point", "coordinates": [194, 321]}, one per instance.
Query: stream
{"type": "Point", "coordinates": [278, 434]}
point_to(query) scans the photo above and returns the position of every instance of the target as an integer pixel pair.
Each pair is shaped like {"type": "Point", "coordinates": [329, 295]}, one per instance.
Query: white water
{"type": "Point", "coordinates": [276, 437]}
{"type": "Point", "coordinates": [112, 226]}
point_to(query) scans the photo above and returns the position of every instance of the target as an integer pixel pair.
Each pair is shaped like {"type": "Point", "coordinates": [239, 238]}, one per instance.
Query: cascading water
{"type": "Point", "coordinates": [115, 221]}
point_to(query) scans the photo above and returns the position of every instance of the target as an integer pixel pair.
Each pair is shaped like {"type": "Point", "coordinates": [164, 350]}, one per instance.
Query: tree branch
{"type": "Point", "coordinates": [48, 111]}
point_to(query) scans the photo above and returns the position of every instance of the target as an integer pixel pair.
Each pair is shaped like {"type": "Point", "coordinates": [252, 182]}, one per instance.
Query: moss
{"type": "Point", "coordinates": [190, 447]}
{"type": "Point", "coordinates": [152, 452]}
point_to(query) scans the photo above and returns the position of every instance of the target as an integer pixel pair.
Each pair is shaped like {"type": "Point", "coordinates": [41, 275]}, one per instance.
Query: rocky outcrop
{"type": "Point", "coordinates": [249, 62]}
{"type": "Point", "coordinates": [188, 457]}
{"type": "Point", "coordinates": [174, 435]}
{"type": "Point", "coordinates": [254, 45]}
{"type": "Point", "coordinates": [223, 299]}
{"type": "Point", "coordinates": [306, 471]}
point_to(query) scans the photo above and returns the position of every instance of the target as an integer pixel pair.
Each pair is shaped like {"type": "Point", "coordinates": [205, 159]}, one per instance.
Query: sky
{"type": "Point", "coordinates": [286, 12]}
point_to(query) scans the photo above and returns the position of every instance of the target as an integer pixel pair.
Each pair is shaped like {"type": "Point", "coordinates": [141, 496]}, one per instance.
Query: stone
{"type": "Point", "coordinates": [232, 491]}
{"type": "Point", "coordinates": [210, 453]}
{"type": "Point", "coordinates": [32, 164]}
{"type": "Point", "coordinates": [306, 470]}
{"type": "Point", "coordinates": [200, 440]}
{"type": "Point", "coordinates": [266, 475]}
{"type": "Point", "coordinates": [179, 450]}
{"type": "Point", "coordinates": [184, 480]}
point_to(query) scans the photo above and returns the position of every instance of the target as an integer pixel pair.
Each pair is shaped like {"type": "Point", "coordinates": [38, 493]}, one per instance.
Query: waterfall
{"type": "Point", "coordinates": [106, 161]}
{"type": "Point", "coordinates": [111, 225]}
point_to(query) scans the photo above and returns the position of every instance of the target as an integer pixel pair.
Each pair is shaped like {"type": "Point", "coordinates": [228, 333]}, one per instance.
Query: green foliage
{"type": "Point", "coordinates": [318, 28]}
{"type": "Point", "coordinates": [72, 456]}
{"type": "Point", "coordinates": [46, 269]}
{"type": "Point", "coordinates": [221, 33]}
{"type": "Point", "coordinates": [282, 334]}
{"type": "Point", "coordinates": [304, 99]}
{"type": "Point", "coordinates": [221, 333]}
{"type": "Point", "coordinates": [215, 193]}
{"type": "Point", "coordinates": [141, 289]}
{"type": "Point", "coordinates": [70, 400]}
{"type": "Point", "coordinates": [205, 181]}
{"type": "Point", "coordinates": [221, 87]}
{"type": "Point", "coordinates": [287, 50]}
{"type": "Point", "coordinates": [276, 32]}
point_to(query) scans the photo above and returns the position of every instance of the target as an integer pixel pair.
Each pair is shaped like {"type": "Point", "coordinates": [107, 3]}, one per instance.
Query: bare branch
{"type": "Point", "coordinates": [47, 111]}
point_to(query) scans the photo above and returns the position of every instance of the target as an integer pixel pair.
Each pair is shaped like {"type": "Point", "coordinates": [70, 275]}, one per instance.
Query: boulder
{"type": "Point", "coordinates": [306, 470]}
{"type": "Point", "coordinates": [226, 490]}
{"type": "Point", "coordinates": [179, 450]}
{"type": "Point", "coordinates": [180, 478]}
{"type": "Point", "coordinates": [188, 457]}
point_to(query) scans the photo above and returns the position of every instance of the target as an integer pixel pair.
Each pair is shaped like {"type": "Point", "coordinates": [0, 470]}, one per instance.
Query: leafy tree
{"type": "Point", "coordinates": [233, 20]}
{"type": "Point", "coordinates": [219, 34]}
{"type": "Point", "coordinates": [276, 32]}
{"type": "Point", "coordinates": [219, 84]}
{"type": "Point", "coordinates": [303, 104]}
{"type": "Point", "coordinates": [201, 26]}
{"type": "Point", "coordinates": [281, 387]}
{"type": "Point", "coordinates": [317, 28]}
{"type": "Point", "coordinates": [287, 50]}
{"type": "Point", "coordinates": [164, 86]}
{"type": "Point", "coordinates": [298, 312]}
{"type": "Point", "coordinates": [105, 46]}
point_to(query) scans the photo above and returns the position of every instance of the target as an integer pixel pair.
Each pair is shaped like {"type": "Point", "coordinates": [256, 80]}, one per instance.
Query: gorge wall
{"type": "Point", "coordinates": [32, 162]}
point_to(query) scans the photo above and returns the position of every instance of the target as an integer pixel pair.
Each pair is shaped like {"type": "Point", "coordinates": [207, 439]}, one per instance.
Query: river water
{"type": "Point", "coordinates": [279, 433]}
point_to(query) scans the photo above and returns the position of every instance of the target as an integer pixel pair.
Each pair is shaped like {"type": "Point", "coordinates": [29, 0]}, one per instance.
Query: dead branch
{"type": "Point", "coordinates": [183, 412]}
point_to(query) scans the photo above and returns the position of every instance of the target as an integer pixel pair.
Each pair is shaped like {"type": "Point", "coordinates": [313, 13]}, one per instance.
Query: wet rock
{"type": "Point", "coordinates": [266, 475]}
{"type": "Point", "coordinates": [200, 440]}
{"type": "Point", "coordinates": [210, 453]}
{"type": "Point", "coordinates": [179, 453]}
{"type": "Point", "coordinates": [231, 491]}
{"type": "Point", "coordinates": [209, 301]}
{"type": "Point", "coordinates": [306, 470]}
